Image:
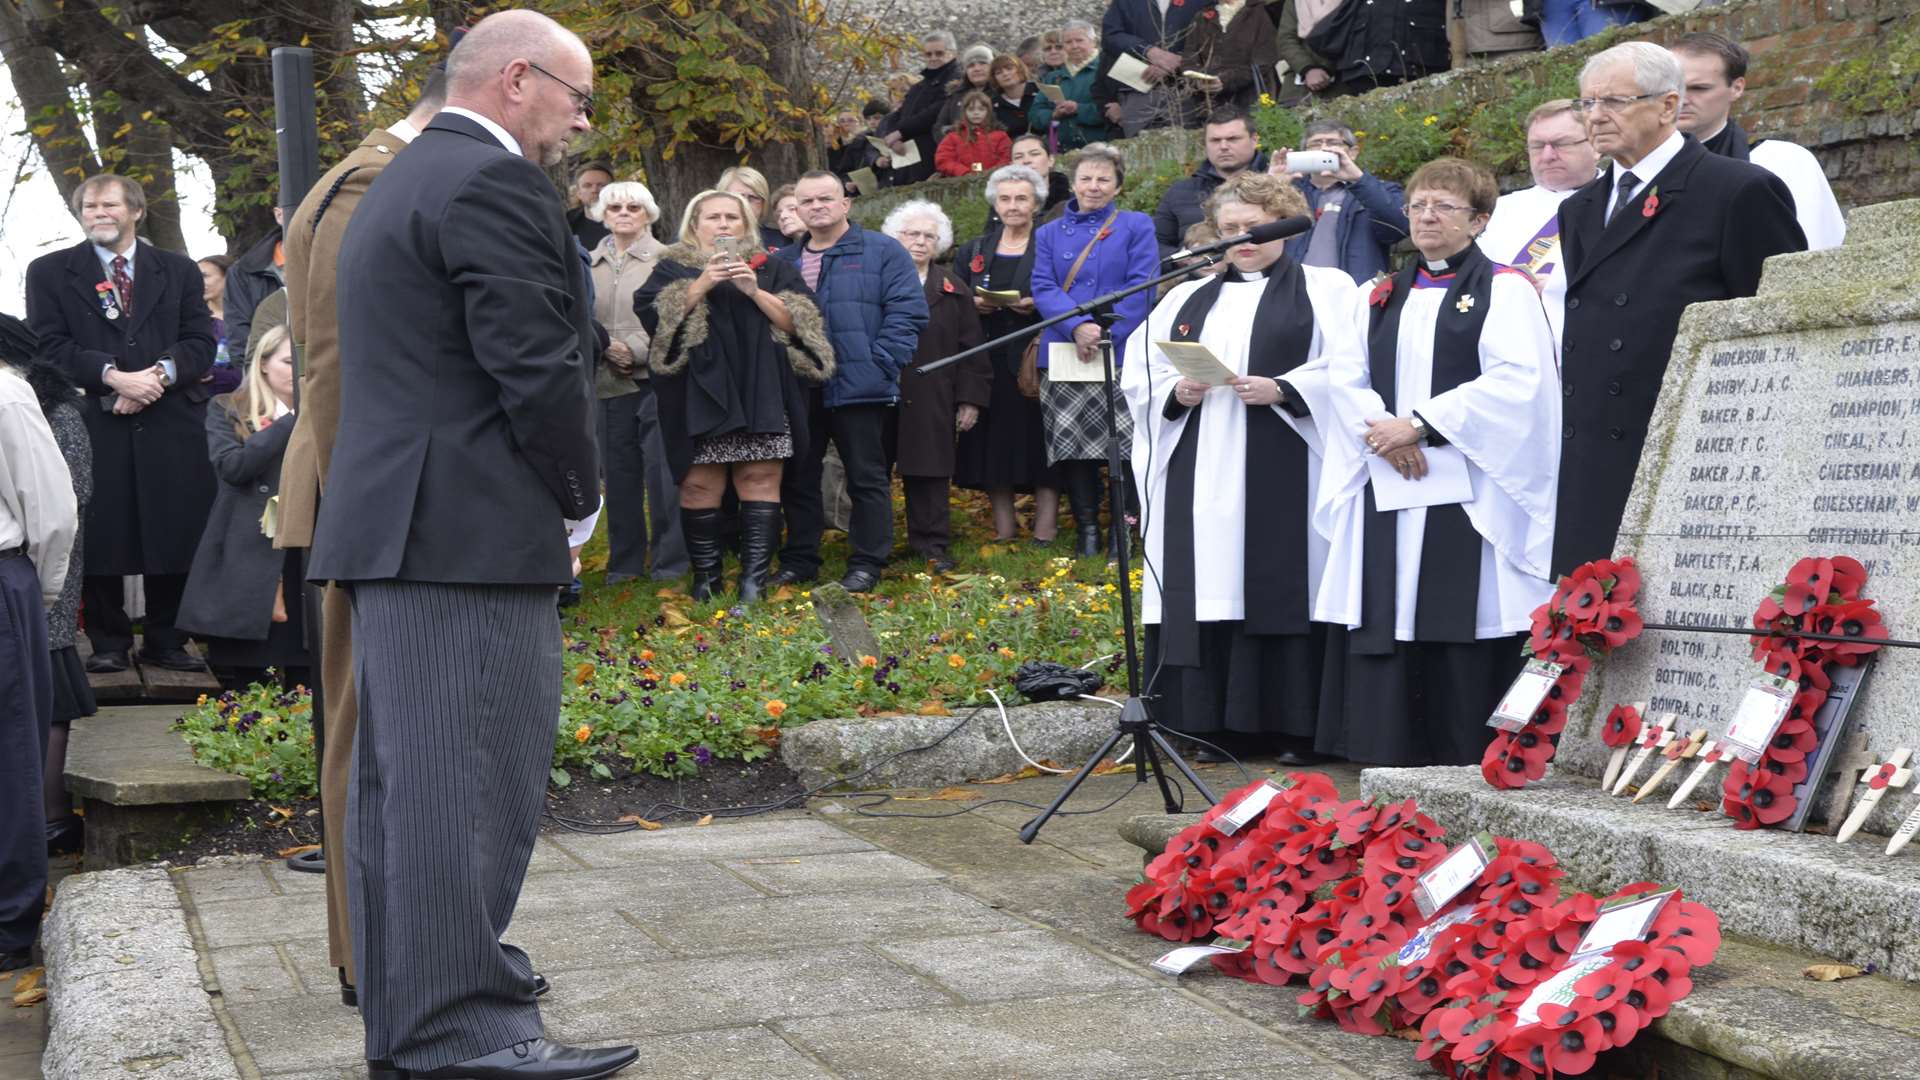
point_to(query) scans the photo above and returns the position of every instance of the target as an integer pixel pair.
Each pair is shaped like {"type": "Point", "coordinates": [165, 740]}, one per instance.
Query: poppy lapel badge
{"type": "Point", "coordinates": [1652, 205]}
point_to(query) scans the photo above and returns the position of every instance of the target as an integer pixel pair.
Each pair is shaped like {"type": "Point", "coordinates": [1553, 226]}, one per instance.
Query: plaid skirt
{"type": "Point", "coordinates": [1075, 416]}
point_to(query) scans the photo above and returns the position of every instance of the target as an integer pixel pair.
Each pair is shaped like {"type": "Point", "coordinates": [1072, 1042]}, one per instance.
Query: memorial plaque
{"type": "Point", "coordinates": [1788, 426]}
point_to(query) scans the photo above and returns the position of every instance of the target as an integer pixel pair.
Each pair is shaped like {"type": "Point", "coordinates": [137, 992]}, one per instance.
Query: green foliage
{"type": "Point", "coordinates": [1883, 80]}
{"type": "Point", "coordinates": [1277, 126]}
{"type": "Point", "coordinates": [1144, 188]}
{"type": "Point", "coordinates": [263, 733]}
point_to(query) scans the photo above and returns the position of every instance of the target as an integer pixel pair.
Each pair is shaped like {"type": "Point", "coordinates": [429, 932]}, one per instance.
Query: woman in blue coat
{"type": "Point", "coordinates": [1119, 250]}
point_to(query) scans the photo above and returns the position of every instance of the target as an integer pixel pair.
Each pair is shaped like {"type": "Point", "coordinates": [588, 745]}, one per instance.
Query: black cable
{"type": "Point", "coordinates": [881, 798]}
{"type": "Point", "coordinates": [1804, 635]}
{"type": "Point", "coordinates": [1244, 774]}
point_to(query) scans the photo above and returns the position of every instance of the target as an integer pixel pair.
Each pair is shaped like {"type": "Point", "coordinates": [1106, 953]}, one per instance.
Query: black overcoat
{"type": "Point", "coordinates": [928, 402]}
{"type": "Point", "coordinates": [152, 483]}
{"type": "Point", "coordinates": [1713, 222]}
{"type": "Point", "coordinates": [230, 591]}
{"type": "Point", "coordinates": [466, 349]}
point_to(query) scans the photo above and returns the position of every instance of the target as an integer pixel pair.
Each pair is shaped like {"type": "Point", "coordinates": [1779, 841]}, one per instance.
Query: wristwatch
{"type": "Point", "coordinates": [1419, 427]}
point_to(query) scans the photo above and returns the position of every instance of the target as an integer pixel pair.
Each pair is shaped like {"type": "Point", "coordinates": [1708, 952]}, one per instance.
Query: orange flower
{"type": "Point", "coordinates": [646, 656]}
{"type": "Point", "coordinates": [776, 707]}
{"type": "Point", "coordinates": [677, 679]}
{"type": "Point", "coordinates": [1006, 653]}
{"type": "Point", "coordinates": [869, 661]}
{"type": "Point", "coordinates": [956, 661]}
{"type": "Point", "coordinates": [583, 734]}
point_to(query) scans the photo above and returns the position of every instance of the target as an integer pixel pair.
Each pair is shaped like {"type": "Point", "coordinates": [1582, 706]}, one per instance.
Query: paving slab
{"type": "Point", "coordinates": [248, 973]}
{"type": "Point", "coordinates": [727, 1054]}
{"type": "Point", "coordinates": [733, 840]}
{"type": "Point", "coordinates": [791, 875]}
{"type": "Point", "coordinates": [1017, 964]}
{"type": "Point", "coordinates": [721, 929]}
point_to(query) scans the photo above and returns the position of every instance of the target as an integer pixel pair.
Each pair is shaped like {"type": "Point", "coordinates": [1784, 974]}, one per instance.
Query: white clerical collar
{"type": "Point", "coordinates": [493, 128]}
{"type": "Point", "coordinates": [403, 130]}
{"type": "Point", "coordinates": [1235, 274]}
{"type": "Point", "coordinates": [1650, 166]}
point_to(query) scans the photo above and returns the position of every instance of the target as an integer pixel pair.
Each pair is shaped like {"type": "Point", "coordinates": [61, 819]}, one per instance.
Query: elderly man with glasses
{"type": "Point", "coordinates": [919, 112]}
{"type": "Point", "coordinates": [1667, 225]}
{"type": "Point", "coordinates": [1357, 217]}
{"type": "Point", "coordinates": [1525, 230]}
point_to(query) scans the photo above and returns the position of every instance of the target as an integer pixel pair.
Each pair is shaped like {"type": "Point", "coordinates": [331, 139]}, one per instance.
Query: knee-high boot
{"type": "Point", "coordinates": [702, 529]}
{"type": "Point", "coordinates": [1083, 498]}
{"type": "Point", "coordinates": [759, 536]}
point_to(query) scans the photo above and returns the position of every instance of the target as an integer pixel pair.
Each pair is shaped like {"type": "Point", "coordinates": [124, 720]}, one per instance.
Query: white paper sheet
{"type": "Point", "coordinates": [1064, 364]}
{"type": "Point", "coordinates": [1446, 481]}
{"type": "Point", "coordinates": [1130, 71]}
{"type": "Point", "coordinates": [1196, 362]}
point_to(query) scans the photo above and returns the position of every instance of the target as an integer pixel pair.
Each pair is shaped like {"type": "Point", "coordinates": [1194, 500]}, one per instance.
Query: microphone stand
{"type": "Point", "coordinates": [1136, 720]}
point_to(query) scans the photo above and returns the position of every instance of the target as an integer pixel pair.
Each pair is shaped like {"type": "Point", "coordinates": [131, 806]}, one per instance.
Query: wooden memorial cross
{"type": "Point", "coordinates": [1712, 752]}
{"type": "Point", "coordinates": [1891, 773]}
{"type": "Point", "coordinates": [1654, 737]}
{"type": "Point", "coordinates": [1845, 767]}
{"type": "Point", "coordinates": [1677, 751]}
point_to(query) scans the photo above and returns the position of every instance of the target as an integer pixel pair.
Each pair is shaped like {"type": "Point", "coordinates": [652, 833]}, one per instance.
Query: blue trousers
{"type": "Point", "coordinates": [1563, 22]}
{"type": "Point", "coordinates": [26, 714]}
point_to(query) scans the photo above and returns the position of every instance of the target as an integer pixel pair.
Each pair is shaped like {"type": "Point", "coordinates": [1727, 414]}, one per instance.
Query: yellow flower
{"type": "Point", "coordinates": [1430, 121]}
{"type": "Point", "coordinates": [776, 707]}
{"type": "Point", "coordinates": [677, 679]}
{"type": "Point", "coordinates": [202, 701]}
{"type": "Point", "coordinates": [956, 661]}
{"type": "Point", "coordinates": [583, 734]}
{"type": "Point", "coordinates": [1267, 100]}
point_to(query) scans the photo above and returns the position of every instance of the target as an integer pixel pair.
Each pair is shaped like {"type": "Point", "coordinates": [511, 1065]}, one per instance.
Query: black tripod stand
{"type": "Point", "coordinates": [1136, 720]}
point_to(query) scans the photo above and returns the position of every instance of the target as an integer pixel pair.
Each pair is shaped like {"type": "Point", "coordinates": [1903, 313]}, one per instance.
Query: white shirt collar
{"type": "Point", "coordinates": [403, 130]}
{"type": "Point", "coordinates": [107, 255]}
{"type": "Point", "coordinates": [493, 128]}
{"type": "Point", "coordinates": [1650, 166]}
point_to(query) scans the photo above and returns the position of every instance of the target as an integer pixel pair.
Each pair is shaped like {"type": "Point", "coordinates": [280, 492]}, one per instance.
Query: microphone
{"type": "Point", "coordinates": [1259, 234]}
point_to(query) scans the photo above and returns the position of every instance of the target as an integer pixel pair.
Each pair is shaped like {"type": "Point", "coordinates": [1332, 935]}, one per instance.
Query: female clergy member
{"type": "Point", "coordinates": [1228, 475]}
{"type": "Point", "coordinates": [1457, 401]}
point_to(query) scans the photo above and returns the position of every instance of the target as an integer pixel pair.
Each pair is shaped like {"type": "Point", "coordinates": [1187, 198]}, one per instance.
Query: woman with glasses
{"type": "Point", "coordinates": [751, 184]}
{"type": "Point", "coordinates": [1437, 498]}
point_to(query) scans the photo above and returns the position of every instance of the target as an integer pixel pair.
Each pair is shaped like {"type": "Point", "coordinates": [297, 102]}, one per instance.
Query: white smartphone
{"type": "Point", "coordinates": [1313, 161]}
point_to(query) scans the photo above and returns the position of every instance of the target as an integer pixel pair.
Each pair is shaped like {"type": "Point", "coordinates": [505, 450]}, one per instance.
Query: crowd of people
{"type": "Point", "coordinates": [1345, 522]}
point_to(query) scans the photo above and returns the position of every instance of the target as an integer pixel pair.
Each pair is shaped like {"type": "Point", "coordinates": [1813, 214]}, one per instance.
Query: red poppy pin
{"type": "Point", "coordinates": [1184, 329]}
{"type": "Point", "coordinates": [978, 265]}
{"type": "Point", "coordinates": [1652, 205]}
{"type": "Point", "coordinates": [1382, 292]}
{"type": "Point", "coordinates": [1881, 776]}
{"type": "Point", "coordinates": [759, 260]}
{"type": "Point", "coordinates": [1104, 233]}
{"type": "Point", "coordinates": [947, 286]}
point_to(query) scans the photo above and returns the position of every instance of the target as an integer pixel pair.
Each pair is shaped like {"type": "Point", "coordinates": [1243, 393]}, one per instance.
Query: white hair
{"type": "Point", "coordinates": [943, 37]}
{"type": "Point", "coordinates": [1655, 70]}
{"type": "Point", "coordinates": [624, 191]}
{"type": "Point", "coordinates": [1071, 25]}
{"type": "Point", "coordinates": [913, 209]}
{"type": "Point", "coordinates": [1019, 174]}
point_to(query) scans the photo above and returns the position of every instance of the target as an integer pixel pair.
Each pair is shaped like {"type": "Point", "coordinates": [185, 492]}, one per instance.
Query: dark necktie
{"type": "Point", "coordinates": [1623, 194]}
{"type": "Point", "coordinates": [123, 285]}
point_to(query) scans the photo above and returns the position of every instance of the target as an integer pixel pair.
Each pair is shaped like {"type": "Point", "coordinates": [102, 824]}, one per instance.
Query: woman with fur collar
{"type": "Point", "coordinates": [733, 333]}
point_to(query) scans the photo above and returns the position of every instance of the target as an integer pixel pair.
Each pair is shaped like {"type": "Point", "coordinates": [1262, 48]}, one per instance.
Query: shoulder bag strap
{"type": "Point", "coordinates": [1074, 271]}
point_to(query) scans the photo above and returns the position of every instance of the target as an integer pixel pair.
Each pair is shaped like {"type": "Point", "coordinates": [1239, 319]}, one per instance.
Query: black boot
{"type": "Point", "coordinates": [759, 536]}
{"type": "Point", "coordinates": [702, 531]}
{"type": "Point", "coordinates": [1083, 501]}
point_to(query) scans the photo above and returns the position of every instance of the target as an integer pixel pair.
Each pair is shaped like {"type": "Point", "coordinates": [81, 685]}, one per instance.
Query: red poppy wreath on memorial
{"type": "Point", "coordinates": [1820, 596]}
{"type": "Point", "coordinates": [1591, 614]}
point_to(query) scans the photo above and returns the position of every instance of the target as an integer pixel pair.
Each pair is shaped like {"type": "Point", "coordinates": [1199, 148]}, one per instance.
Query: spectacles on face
{"type": "Point", "coordinates": [935, 55]}
{"type": "Point", "coordinates": [1335, 143]}
{"type": "Point", "coordinates": [1559, 147]}
{"type": "Point", "coordinates": [1444, 209]}
{"type": "Point", "coordinates": [582, 101]}
{"type": "Point", "coordinates": [1613, 103]}
{"type": "Point", "coordinates": [625, 208]}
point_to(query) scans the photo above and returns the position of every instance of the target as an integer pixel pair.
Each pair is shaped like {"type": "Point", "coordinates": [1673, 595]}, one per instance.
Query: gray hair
{"type": "Point", "coordinates": [944, 37]}
{"type": "Point", "coordinates": [921, 208]}
{"type": "Point", "coordinates": [624, 191]}
{"type": "Point", "coordinates": [131, 192]}
{"type": "Point", "coordinates": [1100, 151]}
{"type": "Point", "coordinates": [1072, 25]}
{"type": "Point", "coordinates": [1019, 174]}
{"type": "Point", "coordinates": [1328, 127]}
{"type": "Point", "coordinates": [1655, 70]}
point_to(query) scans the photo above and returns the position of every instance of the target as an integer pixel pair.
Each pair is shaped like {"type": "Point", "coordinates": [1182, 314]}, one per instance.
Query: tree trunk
{"type": "Point", "coordinates": [142, 150]}
{"type": "Point", "coordinates": [57, 134]}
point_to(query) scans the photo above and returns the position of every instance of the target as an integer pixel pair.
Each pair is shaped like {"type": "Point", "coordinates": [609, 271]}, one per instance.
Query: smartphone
{"type": "Point", "coordinates": [727, 245]}
{"type": "Point", "coordinates": [1313, 161]}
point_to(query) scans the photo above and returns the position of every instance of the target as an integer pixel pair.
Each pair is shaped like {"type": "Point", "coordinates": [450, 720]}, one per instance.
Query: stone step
{"type": "Point", "coordinates": [138, 783]}
{"type": "Point", "coordinates": [1895, 258]}
{"type": "Point", "coordinates": [827, 751]}
{"type": "Point", "coordinates": [1752, 1015]}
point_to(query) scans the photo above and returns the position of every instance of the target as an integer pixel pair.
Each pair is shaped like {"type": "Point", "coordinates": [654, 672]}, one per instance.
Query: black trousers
{"type": "Point", "coordinates": [929, 529]}
{"type": "Point", "coordinates": [26, 714]}
{"type": "Point", "coordinates": [863, 435]}
{"type": "Point", "coordinates": [104, 599]}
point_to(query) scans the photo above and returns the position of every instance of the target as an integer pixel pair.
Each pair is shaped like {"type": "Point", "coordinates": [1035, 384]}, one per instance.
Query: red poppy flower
{"type": "Point", "coordinates": [1382, 292]}
{"type": "Point", "coordinates": [1793, 742]}
{"type": "Point", "coordinates": [1622, 726]}
{"type": "Point", "coordinates": [1808, 584]}
{"type": "Point", "coordinates": [1618, 624]}
{"type": "Point", "coordinates": [1651, 206]}
{"type": "Point", "coordinates": [1856, 619]}
{"type": "Point", "coordinates": [759, 260]}
{"type": "Point", "coordinates": [1848, 576]}
{"type": "Point", "coordinates": [1584, 602]}
{"type": "Point", "coordinates": [1626, 582]}
{"type": "Point", "coordinates": [979, 264]}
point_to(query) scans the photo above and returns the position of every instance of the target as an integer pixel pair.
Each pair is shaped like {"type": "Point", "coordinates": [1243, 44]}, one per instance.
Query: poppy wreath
{"type": "Point", "coordinates": [1821, 596]}
{"type": "Point", "coordinates": [1188, 887]}
{"type": "Point", "coordinates": [1591, 614]}
{"type": "Point", "coordinates": [1478, 1032]}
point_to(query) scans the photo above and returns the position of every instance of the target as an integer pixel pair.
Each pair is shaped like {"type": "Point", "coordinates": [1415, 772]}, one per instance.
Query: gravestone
{"type": "Point", "coordinates": [1789, 426]}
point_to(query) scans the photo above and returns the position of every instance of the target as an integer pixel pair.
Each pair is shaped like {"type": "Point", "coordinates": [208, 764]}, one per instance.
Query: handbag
{"type": "Point", "coordinates": [1029, 378]}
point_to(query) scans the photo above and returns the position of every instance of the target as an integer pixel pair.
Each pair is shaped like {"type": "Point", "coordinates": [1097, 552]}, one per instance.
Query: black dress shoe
{"type": "Point", "coordinates": [64, 836]}
{"type": "Point", "coordinates": [1207, 755]}
{"type": "Point", "coordinates": [535, 1059]}
{"type": "Point", "coordinates": [540, 986]}
{"type": "Point", "coordinates": [378, 1069]}
{"type": "Point", "coordinates": [105, 663]}
{"type": "Point", "coordinates": [1298, 758]}
{"type": "Point", "coordinates": [789, 577]}
{"type": "Point", "coordinates": [860, 581]}
{"type": "Point", "coordinates": [943, 564]}
{"type": "Point", "coordinates": [172, 659]}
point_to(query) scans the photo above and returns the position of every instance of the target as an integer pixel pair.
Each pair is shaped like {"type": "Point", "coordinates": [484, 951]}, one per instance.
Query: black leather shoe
{"type": "Point", "coordinates": [860, 581]}
{"type": "Point", "coordinates": [1207, 755]}
{"type": "Point", "coordinates": [535, 1059]}
{"type": "Point", "coordinates": [384, 1070]}
{"type": "Point", "coordinates": [943, 564]}
{"type": "Point", "coordinates": [540, 986]}
{"type": "Point", "coordinates": [1298, 758]}
{"type": "Point", "coordinates": [789, 577]}
{"type": "Point", "coordinates": [65, 835]}
{"type": "Point", "coordinates": [172, 659]}
{"type": "Point", "coordinates": [571, 594]}
{"type": "Point", "coordinates": [106, 663]}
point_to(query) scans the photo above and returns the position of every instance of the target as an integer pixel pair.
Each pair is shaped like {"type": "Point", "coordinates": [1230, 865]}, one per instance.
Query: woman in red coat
{"type": "Point", "coordinates": [976, 144]}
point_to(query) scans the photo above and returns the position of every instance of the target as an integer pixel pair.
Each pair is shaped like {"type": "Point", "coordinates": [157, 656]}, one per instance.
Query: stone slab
{"type": "Point", "coordinates": [254, 922]}
{"type": "Point", "coordinates": [246, 973]}
{"type": "Point", "coordinates": [857, 871]}
{"type": "Point", "coordinates": [716, 929]}
{"type": "Point", "coordinates": [760, 838]}
{"type": "Point", "coordinates": [862, 750]}
{"type": "Point", "coordinates": [123, 984]}
{"type": "Point", "coordinates": [1020, 964]}
{"type": "Point", "coordinates": [727, 1054]}
{"type": "Point", "coordinates": [132, 757]}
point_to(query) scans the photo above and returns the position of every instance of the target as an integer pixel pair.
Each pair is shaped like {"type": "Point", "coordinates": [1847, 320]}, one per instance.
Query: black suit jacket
{"type": "Point", "coordinates": [159, 453]}
{"type": "Point", "coordinates": [1714, 222]}
{"type": "Point", "coordinates": [465, 432]}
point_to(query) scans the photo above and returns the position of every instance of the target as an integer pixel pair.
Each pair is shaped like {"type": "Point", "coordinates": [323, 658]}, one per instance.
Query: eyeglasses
{"type": "Point", "coordinates": [582, 101]}
{"type": "Point", "coordinates": [1561, 147]}
{"type": "Point", "coordinates": [626, 208]}
{"type": "Point", "coordinates": [1611, 104]}
{"type": "Point", "coordinates": [1444, 209]}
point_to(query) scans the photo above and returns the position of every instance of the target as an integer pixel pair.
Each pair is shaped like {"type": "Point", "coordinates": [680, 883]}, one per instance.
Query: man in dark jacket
{"type": "Point", "coordinates": [251, 279]}
{"type": "Point", "coordinates": [1357, 217]}
{"type": "Point", "coordinates": [1385, 44]}
{"type": "Point", "coordinates": [129, 323]}
{"type": "Point", "coordinates": [1233, 147]}
{"type": "Point", "coordinates": [871, 297]}
{"type": "Point", "coordinates": [587, 183]}
{"type": "Point", "coordinates": [1155, 33]}
{"type": "Point", "coordinates": [919, 111]}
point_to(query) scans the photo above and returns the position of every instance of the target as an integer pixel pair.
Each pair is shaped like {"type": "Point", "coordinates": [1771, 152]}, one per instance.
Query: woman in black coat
{"type": "Point", "coordinates": [936, 406]}
{"type": "Point", "coordinates": [1006, 452]}
{"type": "Point", "coordinates": [1012, 94]}
{"type": "Point", "coordinates": [243, 598]}
{"type": "Point", "coordinates": [734, 330]}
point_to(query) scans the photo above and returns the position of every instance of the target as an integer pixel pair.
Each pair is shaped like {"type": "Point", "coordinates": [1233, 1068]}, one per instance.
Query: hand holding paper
{"type": "Point", "coordinates": [1196, 362]}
